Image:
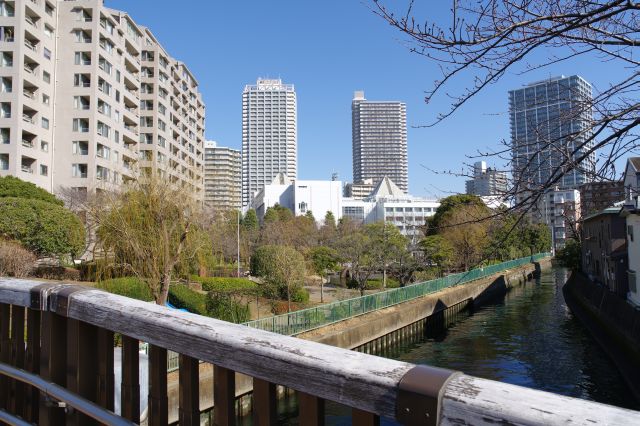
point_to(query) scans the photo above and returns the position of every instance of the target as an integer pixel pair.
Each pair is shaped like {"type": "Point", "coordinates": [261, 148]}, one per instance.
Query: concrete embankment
{"type": "Point", "coordinates": [611, 321]}
{"type": "Point", "coordinates": [357, 331]}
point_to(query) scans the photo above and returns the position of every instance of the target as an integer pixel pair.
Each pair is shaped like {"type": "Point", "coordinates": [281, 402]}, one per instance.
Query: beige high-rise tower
{"type": "Point", "coordinates": [91, 99]}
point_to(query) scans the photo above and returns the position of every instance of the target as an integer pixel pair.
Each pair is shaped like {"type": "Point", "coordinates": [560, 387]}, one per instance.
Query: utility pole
{"type": "Point", "coordinates": [238, 243]}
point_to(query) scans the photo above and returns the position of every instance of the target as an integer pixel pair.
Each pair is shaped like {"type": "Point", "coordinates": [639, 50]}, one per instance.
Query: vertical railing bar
{"type": "Point", "coordinates": [130, 389]}
{"type": "Point", "coordinates": [32, 363]}
{"type": "Point", "coordinates": [311, 409]}
{"type": "Point", "coordinates": [106, 378]}
{"type": "Point", "coordinates": [264, 403]}
{"type": "Point", "coordinates": [364, 418]}
{"type": "Point", "coordinates": [158, 401]}
{"type": "Point", "coordinates": [189, 391]}
{"type": "Point", "coordinates": [224, 394]}
{"type": "Point", "coordinates": [5, 351]}
{"type": "Point", "coordinates": [17, 358]}
{"type": "Point", "coordinates": [53, 355]}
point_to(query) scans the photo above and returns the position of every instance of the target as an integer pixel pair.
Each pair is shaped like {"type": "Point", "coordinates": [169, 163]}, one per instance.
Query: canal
{"type": "Point", "coordinates": [528, 338]}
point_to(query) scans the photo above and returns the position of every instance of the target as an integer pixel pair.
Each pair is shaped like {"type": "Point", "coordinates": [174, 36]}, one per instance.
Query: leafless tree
{"type": "Point", "coordinates": [485, 39]}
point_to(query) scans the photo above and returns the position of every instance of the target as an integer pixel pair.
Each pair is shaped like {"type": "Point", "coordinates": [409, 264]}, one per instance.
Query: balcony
{"type": "Point", "coordinates": [30, 45]}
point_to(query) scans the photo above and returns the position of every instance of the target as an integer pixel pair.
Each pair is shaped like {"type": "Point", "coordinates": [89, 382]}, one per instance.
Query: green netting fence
{"type": "Point", "coordinates": [308, 319]}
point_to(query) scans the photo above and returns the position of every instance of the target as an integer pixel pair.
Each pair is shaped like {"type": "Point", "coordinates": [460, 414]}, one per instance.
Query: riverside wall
{"type": "Point", "coordinates": [611, 321]}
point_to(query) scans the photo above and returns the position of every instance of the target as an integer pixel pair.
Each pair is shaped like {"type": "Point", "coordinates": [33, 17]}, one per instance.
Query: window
{"type": "Point", "coordinates": [46, 77]}
{"type": "Point", "coordinates": [5, 135]}
{"type": "Point", "coordinates": [6, 85]}
{"type": "Point", "coordinates": [162, 142]}
{"type": "Point", "coordinates": [6, 59]}
{"type": "Point", "coordinates": [7, 34]}
{"type": "Point", "coordinates": [45, 123]}
{"type": "Point", "coordinates": [79, 170]}
{"type": "Point", "coordinates": [104, 108]}
{"type": "Point", "coordinates": [48, 8]}
{"type": "Point", "coordinates": [162, 109]}
{"type": "Point", "coordinates": [102, 173]}
{"type": "Point", "coordinates": [44, 146]}
{"type": "Point", "coordinates": [4, 161]}
{"type": "Point", "coordinates": [103, 129]}
{"type": "Point", "coordinates": [117, 96]}
{"type": "Point", "coordinates": [107, 45]}
{"type": "Point", "coordinates": [103, 152]}
{"type": "Point", "coordinates": [48, 31]}
{"type": "Point", "coordinates": [104, 87]}
{"type": "Point", "coordinates": [47, 53]}
{"type": "Point", "coordinates": [162, 125]}
{"type": "Point", "coordinates": [81, 102]}
{"type": "Point", "coordinates": [80, 147]}
{"type": "Point", "coordinates": [118, 76]}
{"type": "Point", "coordinates": [6, 9]}
{"type": "Point", "coordinates": [116, 136]}
{"type": "Point", "coordinates": [44, 170]}
{"type": "Point", "coordinates": [45, 99]}
{"type": "Point", "coordinates": [104, 65]}
{"type": "Point", "coordinates": [5, 110]}
{"type": "Point", "coordinates": [81, 125]}
{"type": "Point", "coordinates": [83, 58]}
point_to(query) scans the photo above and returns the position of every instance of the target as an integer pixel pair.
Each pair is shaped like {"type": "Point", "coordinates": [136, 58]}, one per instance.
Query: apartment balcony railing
{"type": "Point", "coordinates": [30, 45]}
{"type": "Point", "coordinates": [27, 144]}
{"type": "Point", "coordinates": [27, 169]}
{"type": "Point", "coordinates": [27, 118]}
{"type": "Point", "coordinates": [31, 21]}
{"type": "Point", "coordinates": [28, 94]}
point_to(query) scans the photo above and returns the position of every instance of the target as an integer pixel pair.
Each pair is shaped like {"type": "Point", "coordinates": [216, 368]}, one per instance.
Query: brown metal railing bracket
{"type": "Point", "coordinates": [420, 395]}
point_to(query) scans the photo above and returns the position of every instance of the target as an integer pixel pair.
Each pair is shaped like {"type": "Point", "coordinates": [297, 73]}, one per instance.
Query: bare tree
{"type": "Point", "coordinates": [482, 40]}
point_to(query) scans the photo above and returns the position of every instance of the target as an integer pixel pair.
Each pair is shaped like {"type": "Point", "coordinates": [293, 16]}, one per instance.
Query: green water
{"type": "Point", "coordinates": [528, 338]}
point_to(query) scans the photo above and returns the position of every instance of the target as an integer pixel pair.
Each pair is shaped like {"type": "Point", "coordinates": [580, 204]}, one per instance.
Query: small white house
{"type": "Point", "coordinates": [632, 214]}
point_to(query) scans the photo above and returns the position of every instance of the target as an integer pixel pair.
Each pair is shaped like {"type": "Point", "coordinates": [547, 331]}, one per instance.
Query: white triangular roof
{"type": "Point", "coordinates": [281, 179]}
{"type": "Point", "coordinates": [387, 189]}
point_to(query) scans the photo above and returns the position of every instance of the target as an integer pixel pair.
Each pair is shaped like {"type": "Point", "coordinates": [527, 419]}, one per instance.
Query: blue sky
{"type": "Point", "coordinates": [328, 49]}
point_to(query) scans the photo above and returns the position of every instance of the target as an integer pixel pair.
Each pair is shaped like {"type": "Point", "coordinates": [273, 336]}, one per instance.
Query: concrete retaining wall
{"type": "Point", "coordinates": [357, 331]}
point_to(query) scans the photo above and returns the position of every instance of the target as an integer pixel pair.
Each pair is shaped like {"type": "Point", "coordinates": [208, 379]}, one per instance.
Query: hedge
{"type": "Point", "coordinates": [14, 187]}
{"type": "Point", "coordinates": [131, 287]}
{"type": "Point", "coordinates": [225, 284]}
{"type": "Point", "coordinates": [183, 297]}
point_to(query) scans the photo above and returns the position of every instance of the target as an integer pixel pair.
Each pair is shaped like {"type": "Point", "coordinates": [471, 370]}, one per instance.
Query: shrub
{"type": "Point", "coordinates": [57, 273]}
{"type": "Point", "coordinates": [183, 297]}
{"type": "Point", "coordinates": [15, 260]}
{"type": "Point", "coordinates": [225, 284]}
{"type": "Point", "coordinates": [44, 228]}
{"type": "Point", "coordinates": [131, 287]}
{"type": "Point", "coordinates": [375, 283]}
{"type": "Point", "coordinates": [224, 307]}
{"type": "Point", "coordinates": [16, 188]}
{"type": "Point", "coordinates": [300, 295]}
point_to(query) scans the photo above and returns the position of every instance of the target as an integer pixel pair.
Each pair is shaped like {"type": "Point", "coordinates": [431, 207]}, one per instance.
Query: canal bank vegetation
{"type": "Point", "coordinates": [154, 236]}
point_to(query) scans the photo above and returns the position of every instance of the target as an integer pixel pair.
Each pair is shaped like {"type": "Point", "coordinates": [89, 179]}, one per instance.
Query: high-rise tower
{"type": "Point", "coordinates": [379, 133]}
{"type": "Point", "coordinates": [550, 124]}
{"type": "Point", "coordinates": [269, 134]}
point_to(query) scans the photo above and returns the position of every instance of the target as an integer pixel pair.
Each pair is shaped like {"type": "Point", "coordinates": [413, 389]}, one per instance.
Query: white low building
{"type": "Point", "coordinates": [300, 196]}
{"type": "Point", "coordinates": [386, 203]}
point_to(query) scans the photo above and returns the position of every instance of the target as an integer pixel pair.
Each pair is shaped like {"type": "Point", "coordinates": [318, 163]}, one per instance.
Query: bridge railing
{"type": "Point", "coordinates": [308, 319]}
{"type": "Point", "coordinates": [69, 339]}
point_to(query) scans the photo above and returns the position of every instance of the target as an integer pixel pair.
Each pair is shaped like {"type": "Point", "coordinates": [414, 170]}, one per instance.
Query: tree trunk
{"type": "Point", "coordinates": [384, 277]}
{"type": "Point", "coordinates": [164, 289]}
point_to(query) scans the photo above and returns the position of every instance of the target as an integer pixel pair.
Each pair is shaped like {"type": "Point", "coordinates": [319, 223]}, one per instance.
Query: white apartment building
{"type": "Point", "coordinates": [379, 141]}
{"type": "Point", "coordinates": [560, 209]}
{"type": "Point", "coordinates": [269, 135]}
{"type": "Point", "coordinates": [486, 181]}
{"type": "Point", "coordinates": [91, 98]}
{"type": "Point", "coordinates": [222, 177]}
